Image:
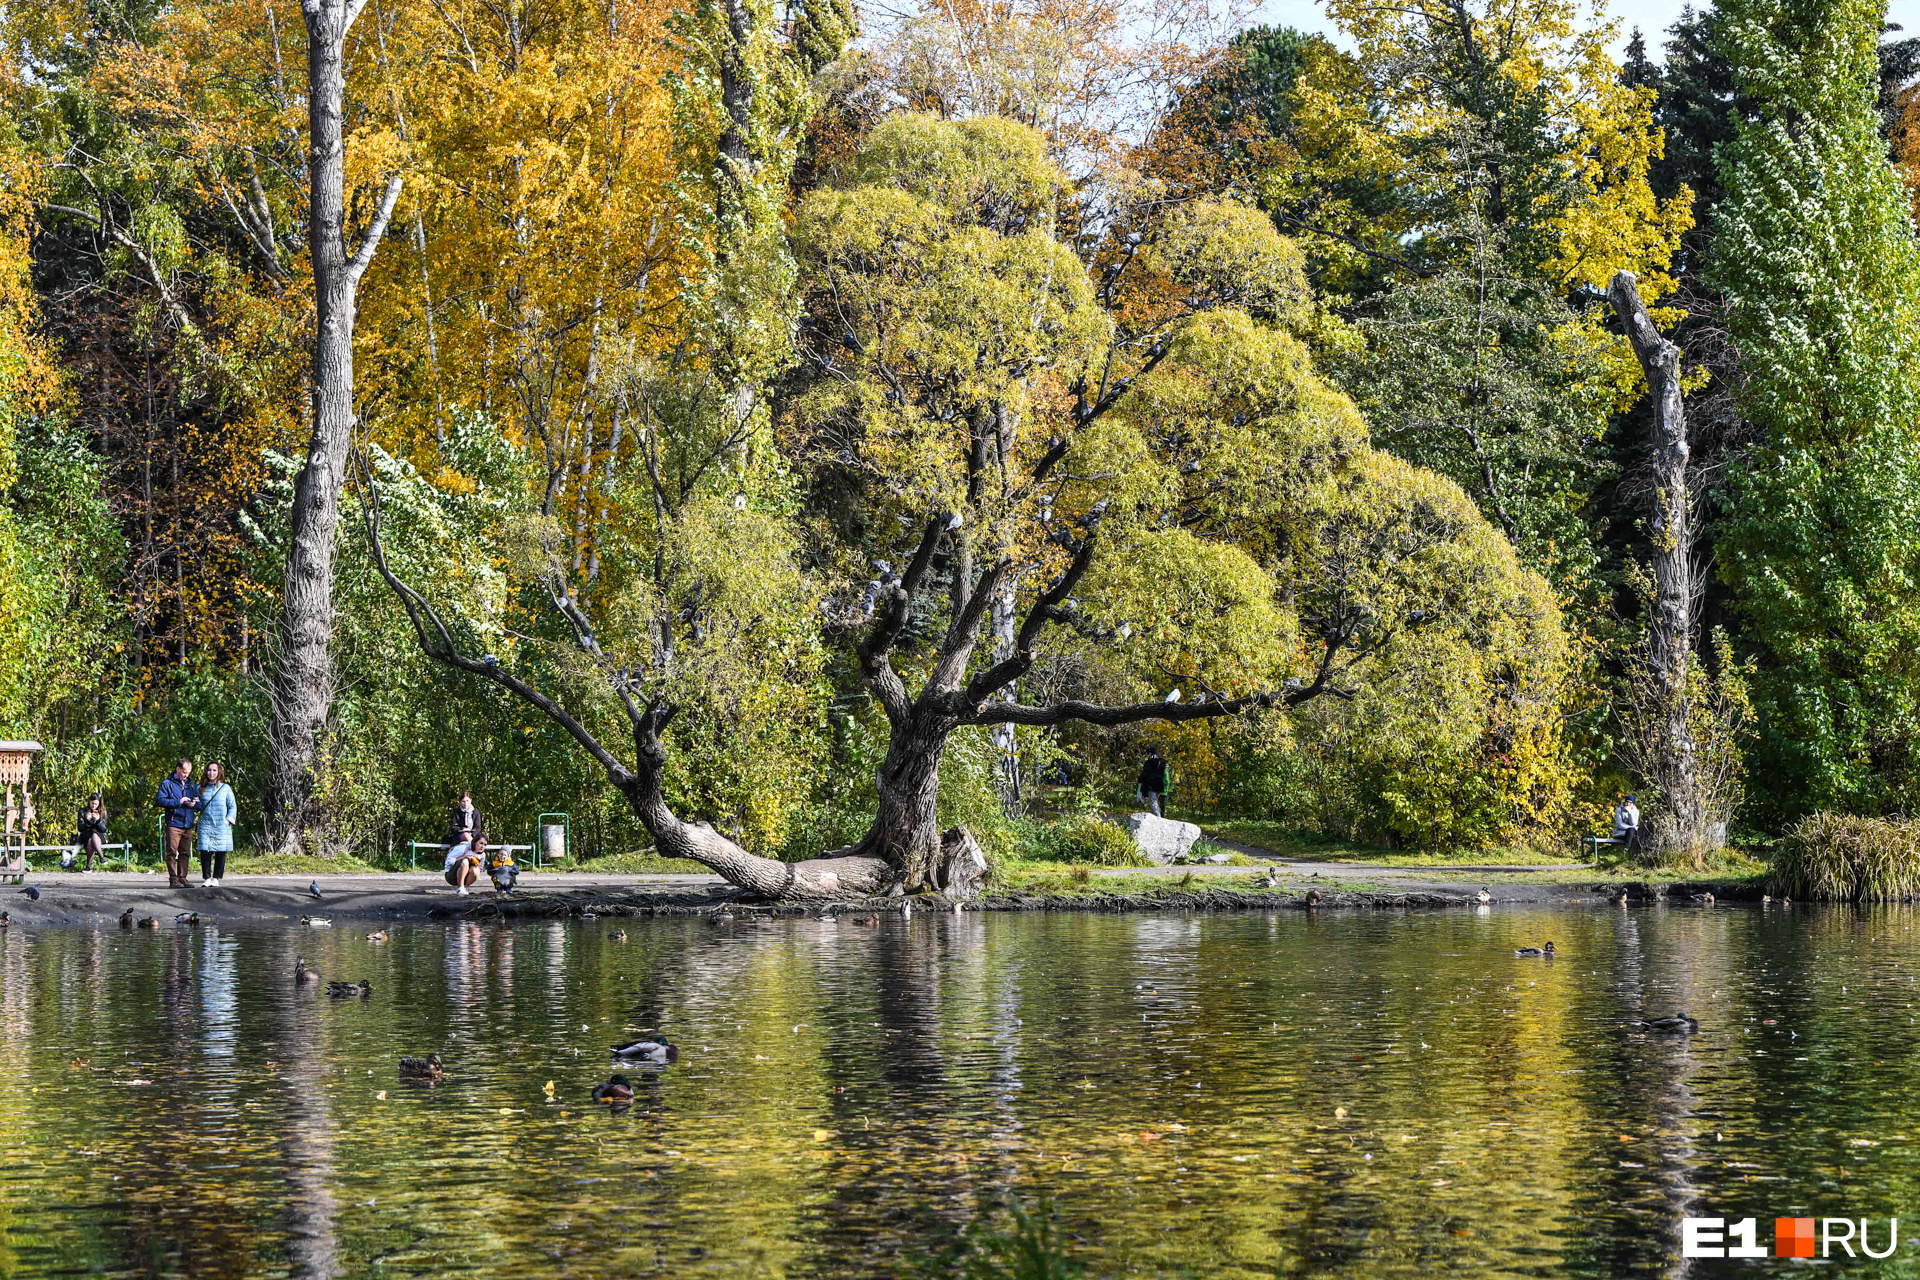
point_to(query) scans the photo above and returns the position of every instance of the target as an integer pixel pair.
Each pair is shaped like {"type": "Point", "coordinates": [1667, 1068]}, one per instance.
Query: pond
{"type": "Point", "coordinates": [1249, 1095]}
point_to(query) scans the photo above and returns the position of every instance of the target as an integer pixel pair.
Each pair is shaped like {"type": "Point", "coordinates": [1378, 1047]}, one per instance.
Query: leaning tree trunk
{"type": "Point", "coordinates": [303, 673]}
{"type": "Point", "coordinates": [1670, 630]}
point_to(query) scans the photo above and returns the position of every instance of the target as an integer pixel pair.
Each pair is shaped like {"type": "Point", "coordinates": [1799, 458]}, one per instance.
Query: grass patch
{"type": "Point", "coordinates": [1283, 841]}
{"type": "Point", "coordinates": [296, 864]}
{"type": "Point", "coordinates": [637, 862]}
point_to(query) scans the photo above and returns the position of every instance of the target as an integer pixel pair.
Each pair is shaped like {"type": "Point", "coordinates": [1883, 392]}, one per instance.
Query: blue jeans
{"type": "Point", "coordinates": [1153, 803]}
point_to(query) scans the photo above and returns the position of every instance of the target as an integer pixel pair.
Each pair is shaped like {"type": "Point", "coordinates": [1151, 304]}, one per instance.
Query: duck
{"type": "Point", "coordinates": [317, 922]}
{"type": "Point", "coordinates": [149, 923]}
{"type": "Point", "coordinates": [648, 1050]}
{"type": "Point", "coordinates": [1704, 899]}
{"type": "Point", "coordinates": [6, 918]}
{"type": "Point", "coordinates": [1484, 896]}
{"type": "Point", "coordinates": [1268, 880]}
{"type": "Point", "coordinates": [618, 935]}
{"type": "Point", "coordinates": [1535, 951]}
{"type": "Point", "coordinates": [342, 990]}
{"type": "Point", "coordinates": [1313, 897]}
{"type": "Point", "coordinates": [191, 919]}
{"type": "Point", "coordinates": [378, 935]}
{"type": "Point", "coordinates": [126, 918]}
{"type": "Point", "coordinates": [1678, 1024]}
{"type": "Point", "coordinates": [615, 1088]}
{"type": "Point", "coordinates": [303, 975]}
{"type": "Point", "coordinates": [1765, 898]}
{"type": "Point", "coordinates": [427, 1068]}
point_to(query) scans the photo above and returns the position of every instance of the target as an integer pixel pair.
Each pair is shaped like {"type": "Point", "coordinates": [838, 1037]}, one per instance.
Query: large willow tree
{"type": "Point", "coordinates": [1131, 458]}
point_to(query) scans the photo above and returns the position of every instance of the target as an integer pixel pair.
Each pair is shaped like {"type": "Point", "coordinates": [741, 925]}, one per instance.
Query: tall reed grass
{"type": "Point", "coordinates": [1835, 857]}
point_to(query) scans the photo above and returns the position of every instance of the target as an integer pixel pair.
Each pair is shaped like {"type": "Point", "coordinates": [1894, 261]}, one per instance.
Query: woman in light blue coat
{"type": "Point", "coordinates": [215, 827]}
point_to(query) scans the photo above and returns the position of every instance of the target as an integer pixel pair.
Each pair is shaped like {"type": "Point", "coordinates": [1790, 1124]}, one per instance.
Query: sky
{"type": "Point", "coordinates": [1650, 16]}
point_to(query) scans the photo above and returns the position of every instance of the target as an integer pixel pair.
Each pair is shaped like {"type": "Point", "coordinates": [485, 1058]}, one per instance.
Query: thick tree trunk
{"type": "Point", "coordinates": [303, 673]}
{"type": "Point", "coordinates": [1670, 629]}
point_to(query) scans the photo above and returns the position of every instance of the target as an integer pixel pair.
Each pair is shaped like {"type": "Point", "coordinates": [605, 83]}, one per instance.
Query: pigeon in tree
{"type": "Point", "coordinates": [313, 887]}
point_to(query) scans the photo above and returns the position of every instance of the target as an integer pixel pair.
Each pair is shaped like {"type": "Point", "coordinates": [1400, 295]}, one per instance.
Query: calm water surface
{"type": "Point", "coordinates": [1350, 1095]}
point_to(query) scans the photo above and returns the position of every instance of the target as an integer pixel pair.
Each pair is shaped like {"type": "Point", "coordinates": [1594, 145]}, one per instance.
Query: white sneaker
{"type": "Point", "coordinates": [209, 884]}
{"type": "Point", "coordinates": [462, 891]}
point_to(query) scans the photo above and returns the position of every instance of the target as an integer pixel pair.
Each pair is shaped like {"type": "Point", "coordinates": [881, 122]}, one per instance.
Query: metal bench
{"type": "Point", "coordinates": [13, 861]}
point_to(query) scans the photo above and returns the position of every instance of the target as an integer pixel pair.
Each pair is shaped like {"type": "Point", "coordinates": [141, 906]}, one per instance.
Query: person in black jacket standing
{"type": "Point", "coordinates": [1152, 787]}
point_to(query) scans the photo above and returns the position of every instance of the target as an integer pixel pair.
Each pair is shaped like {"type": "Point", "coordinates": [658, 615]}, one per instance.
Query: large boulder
{"type": "Point", "coordinates": [1161, 840]}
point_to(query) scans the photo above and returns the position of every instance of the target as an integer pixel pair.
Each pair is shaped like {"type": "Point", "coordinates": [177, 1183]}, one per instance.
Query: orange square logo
{"type": "Point", "coordinates": [1793, 1237]}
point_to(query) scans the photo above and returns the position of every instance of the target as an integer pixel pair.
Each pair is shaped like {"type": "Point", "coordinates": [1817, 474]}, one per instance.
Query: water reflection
{"type": "Point", "coordinates": [1374, 1095]}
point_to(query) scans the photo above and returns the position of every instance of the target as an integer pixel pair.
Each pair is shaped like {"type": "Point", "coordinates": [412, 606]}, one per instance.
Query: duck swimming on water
{"type": "Point", "coordinates": [427, 1068]}
{"type": "Point", "coordinates": [1678, 1024]}
{"type": "Point", "coordinates": [615, 1088]}
{"type": "Point", "coordinates": [1535, 951]}
{"type": "Point", "coordinates": [342, 990]}
{"type": "Point", "coordinates": [303, 975]}
{"type": "Point", "coordinates": [126, 918]}
{"type": "Point", "coordinates": [648, 1051]}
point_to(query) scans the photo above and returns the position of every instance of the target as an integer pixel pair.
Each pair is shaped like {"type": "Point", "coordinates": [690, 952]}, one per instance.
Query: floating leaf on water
{"type": "Point", "coordinates": [1339, 1113]}
{"type": "Point", "coordinates": [380, 1096]}
{"type": "Point", "coordinates": [821, 1135]}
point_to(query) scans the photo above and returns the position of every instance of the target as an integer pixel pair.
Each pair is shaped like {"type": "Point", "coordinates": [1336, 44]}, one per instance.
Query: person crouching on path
{"type": "Point", "coordinates": [1152, 787]}
{"type": "Point", "coordinates": [464, 860]}
{"type": "Point", "coordinates": [178, 800]}
{"type": "Point", "coordinates": [215, 827]}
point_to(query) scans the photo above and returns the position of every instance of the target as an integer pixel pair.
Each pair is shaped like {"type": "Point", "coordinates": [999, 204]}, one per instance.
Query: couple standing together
{"type": "Point", "coordinates": [205, 810]}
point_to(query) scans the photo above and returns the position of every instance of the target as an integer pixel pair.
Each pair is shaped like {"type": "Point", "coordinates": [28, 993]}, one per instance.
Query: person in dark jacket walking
{"type": "Point", "coordinates": [1152, 787]}
{"type": "Point", "coordinates": [179, 800]}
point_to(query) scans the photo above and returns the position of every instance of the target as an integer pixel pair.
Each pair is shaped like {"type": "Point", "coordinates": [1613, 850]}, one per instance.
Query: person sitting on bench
{"type": "Point", "coordinates": [1626, 825]}
{"type": "Point", "coordinates": [92, 836]}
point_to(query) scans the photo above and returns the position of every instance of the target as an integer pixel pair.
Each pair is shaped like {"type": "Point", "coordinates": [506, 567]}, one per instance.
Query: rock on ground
{"type": "Point", "coordinates": [1161, 840]}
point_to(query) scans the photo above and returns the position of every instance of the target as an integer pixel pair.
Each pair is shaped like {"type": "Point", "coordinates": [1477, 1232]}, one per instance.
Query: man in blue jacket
{"type": "Point", "coordinates": [179, 801]}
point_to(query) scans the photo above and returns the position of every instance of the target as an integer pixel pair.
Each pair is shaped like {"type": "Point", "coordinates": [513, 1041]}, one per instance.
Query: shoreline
{"type": "Point", "coordinates": [71, 900]}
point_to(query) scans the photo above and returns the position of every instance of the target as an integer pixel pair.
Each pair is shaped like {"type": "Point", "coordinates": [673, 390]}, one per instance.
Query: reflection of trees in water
{"type": "Point", "coordinates": [307, 1131]}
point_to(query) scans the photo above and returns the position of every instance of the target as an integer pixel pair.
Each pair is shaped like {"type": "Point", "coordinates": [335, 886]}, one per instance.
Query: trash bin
{"type": "Point", "coordinates": [553, 841]}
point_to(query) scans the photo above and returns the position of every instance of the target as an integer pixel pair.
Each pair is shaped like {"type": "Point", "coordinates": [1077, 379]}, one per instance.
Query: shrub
{"type": "Point", "coordinates": [1838, 857]}
{"type": "Point", "coordinates": [1085, 838]}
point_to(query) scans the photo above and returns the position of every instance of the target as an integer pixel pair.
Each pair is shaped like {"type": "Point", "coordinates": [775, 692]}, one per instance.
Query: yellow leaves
{"type": "Point", "coordinates": [1231, 253]}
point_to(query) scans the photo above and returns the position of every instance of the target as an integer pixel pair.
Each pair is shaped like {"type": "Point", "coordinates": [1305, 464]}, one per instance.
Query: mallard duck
{"type": "Point", "coordinates": [126, 918]}
{"type": "Point", "coordinates": [303, 975]}
{"type": "Point", "coordinates": [378, 935]}
{"type": "Point", "coordinates": [342, 990]}
{"type": "Point", "coordinates": [6, 918]}
{"type": "Point", "coordinates": [1268, 880]}
{"type": "Point", "coordinates": [648, 1050]}
{"type": "Point", "coordinates": [1313, 897]}
{"type": "Point", "coordinates": [1483, 897]}
{"type": "Point", "coordinates": [427, 1068]}
{"type": "Point", "coordinates": [1535, 951]}
{"type": "Point", "coordinates": [615, 1088]}
{"type": "Point", "coordinates": [618, 935]}
{"type": "Point", "coordinates": [1678, 1024]}
{"type": "Point", "coordinates": [316, 922]}
{"type": "Point", "coordinates": [1704, 899]}
{"type": "Point", "coordinates": [191, 919]}
{"type": "Point", "coordinates": [149, 923]}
